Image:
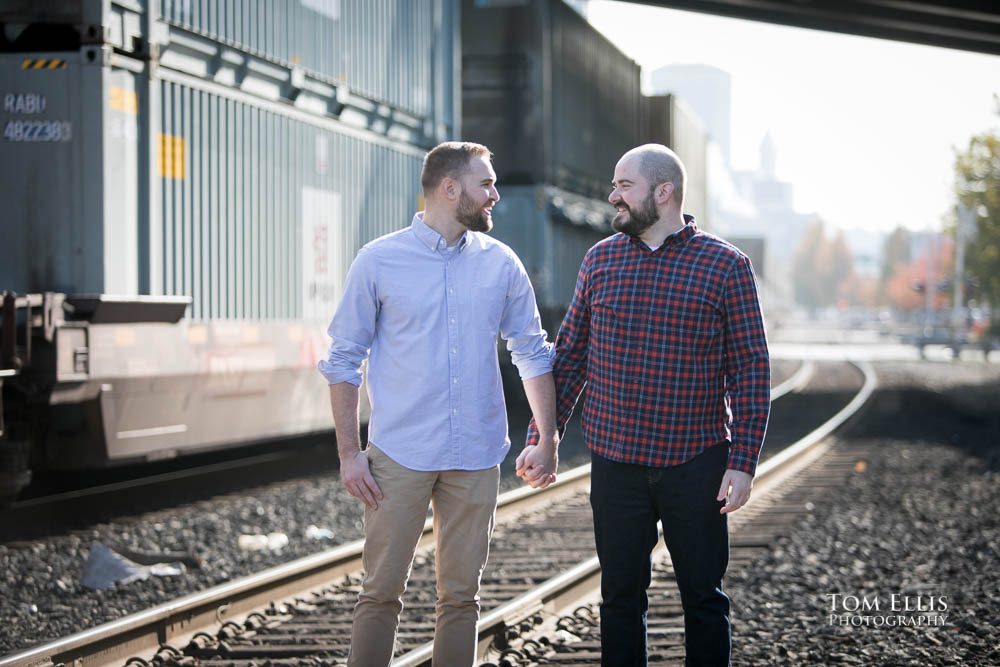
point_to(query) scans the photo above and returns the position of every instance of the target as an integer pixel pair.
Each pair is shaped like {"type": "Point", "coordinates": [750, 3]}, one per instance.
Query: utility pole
{"type": "Point", "coordinates": [964, 231]}
{"type": "Point", "coordinates": [929, 287]}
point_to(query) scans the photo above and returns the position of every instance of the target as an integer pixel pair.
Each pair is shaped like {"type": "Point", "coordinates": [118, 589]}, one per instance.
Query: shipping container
{"type": "Point", "coordinates": [195, 169]}
{"type": "Point", "coordinates": [231, 200]}
{"type": "Point", "coordinates": [198, 204]}
{"type": "Point", "coordinates": [556, 101]}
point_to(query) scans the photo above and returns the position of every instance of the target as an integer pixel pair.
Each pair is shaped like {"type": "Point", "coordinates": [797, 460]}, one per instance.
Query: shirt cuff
{"type": "Point", "coordinates": [536, 364]}
{"type": "Point", "coordinates": [336, 375]}
{"type": "Point", "coordinates": [532, 438]}
{"type": "Point", "coordinates": [743, 459]}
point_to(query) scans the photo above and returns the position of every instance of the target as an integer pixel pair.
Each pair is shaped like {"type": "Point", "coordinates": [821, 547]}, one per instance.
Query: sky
{"type": "Point", "coordinates": [865, 128]}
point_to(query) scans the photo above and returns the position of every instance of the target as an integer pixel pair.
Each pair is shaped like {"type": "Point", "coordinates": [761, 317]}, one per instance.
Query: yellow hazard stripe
{"type": "Point", "coordinates": [43, 63]}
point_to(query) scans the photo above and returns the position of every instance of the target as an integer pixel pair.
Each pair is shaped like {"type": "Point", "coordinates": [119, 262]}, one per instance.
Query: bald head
{"type": "Point", "coordinates": [658, 164]}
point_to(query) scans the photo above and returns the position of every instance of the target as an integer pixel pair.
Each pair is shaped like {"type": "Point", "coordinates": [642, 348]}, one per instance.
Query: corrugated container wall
{"type": "Point", "coordinates": [382, 49]}
{"type": "Point", "coordinates": [265, 204]}
{"type": "Point", "coordinates": [557, 102]}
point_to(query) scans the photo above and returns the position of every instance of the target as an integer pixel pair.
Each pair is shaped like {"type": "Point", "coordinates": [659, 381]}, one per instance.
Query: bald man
{"type": "Point", "coordinates": [665, 332]}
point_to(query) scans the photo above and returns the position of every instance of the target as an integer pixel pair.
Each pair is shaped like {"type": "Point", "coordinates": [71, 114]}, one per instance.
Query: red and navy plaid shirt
{"type": "Point", "coordinates": [671, 348]}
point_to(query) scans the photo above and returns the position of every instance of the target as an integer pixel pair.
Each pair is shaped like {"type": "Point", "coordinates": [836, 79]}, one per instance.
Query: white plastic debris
{"type": "Point", "coordinates": [269, 542]}
{"type": "Point", "coordinates": [317, 533]}
{"type": "Point", "coordinates": [277, 541]}
{"type": "Point", "coordinates": [166, 569]}
{"type": "Point", "coordinates": [252, 542]}
{"type": "Point", "coordinates": [105, 568]}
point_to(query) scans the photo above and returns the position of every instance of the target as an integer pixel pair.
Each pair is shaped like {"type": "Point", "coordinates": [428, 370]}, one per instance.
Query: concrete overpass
{"type": "Point", "coordinates": [968, 25]}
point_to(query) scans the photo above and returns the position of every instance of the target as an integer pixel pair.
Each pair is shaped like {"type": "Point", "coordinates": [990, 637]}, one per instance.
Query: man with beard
{"type": "Point", "coordinates": [427, 303]}
{"type": "Point", "coordinates": [665, 332]}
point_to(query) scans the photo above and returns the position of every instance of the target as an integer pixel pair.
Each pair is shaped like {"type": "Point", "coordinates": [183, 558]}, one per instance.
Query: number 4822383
{"type": "Point", "coordinates": [37, 130]}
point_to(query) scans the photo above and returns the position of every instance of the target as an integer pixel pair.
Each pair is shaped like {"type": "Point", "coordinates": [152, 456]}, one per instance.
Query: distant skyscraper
{"type": "Point", "coordinates": [707, 90]}
{"type": "Point", "coordinates": [768, 157]}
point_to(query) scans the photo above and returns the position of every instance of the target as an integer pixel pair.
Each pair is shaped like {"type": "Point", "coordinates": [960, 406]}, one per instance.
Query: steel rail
{"type": "Point", "coordinates": [151, 480]}
{"type": "Point", "coordinates": [177, 621]}
{"type": "Point", "coordinates": [797, 382]}
{"type": "Point", "coordinates": [556, 595]}
{"type": "Point", "coordinates": [27, 519]}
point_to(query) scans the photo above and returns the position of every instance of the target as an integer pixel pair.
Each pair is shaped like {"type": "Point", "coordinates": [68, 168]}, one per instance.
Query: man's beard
{"type": "Point", "coordinates": [471, 216]}
{"type": "Point", "coordinates": [639, 219]}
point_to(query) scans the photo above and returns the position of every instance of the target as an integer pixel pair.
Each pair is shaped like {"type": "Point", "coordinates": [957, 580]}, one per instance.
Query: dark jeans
{"type": "Point", "coordinates": [627, 501]}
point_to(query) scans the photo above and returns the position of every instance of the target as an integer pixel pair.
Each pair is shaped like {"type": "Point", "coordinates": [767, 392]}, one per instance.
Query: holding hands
{"type": "Point", "coordinates": [537, 464]}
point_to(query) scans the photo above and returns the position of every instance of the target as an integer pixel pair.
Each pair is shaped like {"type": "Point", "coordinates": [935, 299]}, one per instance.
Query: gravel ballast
{"type": "Point", "coordinates": [898, 567]}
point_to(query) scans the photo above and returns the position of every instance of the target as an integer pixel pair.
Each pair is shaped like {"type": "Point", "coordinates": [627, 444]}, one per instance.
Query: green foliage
{"type": "Point", "coordinates": [977, 184]}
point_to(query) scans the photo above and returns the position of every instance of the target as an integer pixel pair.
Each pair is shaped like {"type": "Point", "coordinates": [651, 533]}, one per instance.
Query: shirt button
{"type": "Point", "coordinates": [455, 411]}
{"type": "Point", "coordinates": [454, 350]}
{"type": "Point", "coordinates": [453, 320]}
{"type": "Point", "coordinates": [454, 380]}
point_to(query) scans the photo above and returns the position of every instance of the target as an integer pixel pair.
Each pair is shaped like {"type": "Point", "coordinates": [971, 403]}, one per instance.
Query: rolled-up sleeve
{"type": "Point", "coordinates": [353, 326]}
{"type": "Point", "coordinates": [521, 325]}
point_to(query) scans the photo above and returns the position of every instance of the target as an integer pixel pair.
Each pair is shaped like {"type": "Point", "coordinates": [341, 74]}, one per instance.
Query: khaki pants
{"type": "Point", "coordinates": [464, 514]}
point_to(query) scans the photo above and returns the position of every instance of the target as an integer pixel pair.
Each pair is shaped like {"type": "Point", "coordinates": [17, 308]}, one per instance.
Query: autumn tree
{"type": "Point", "coordinates": [905, 289]}
{"type": "Point", "coordinates": [896, 253]}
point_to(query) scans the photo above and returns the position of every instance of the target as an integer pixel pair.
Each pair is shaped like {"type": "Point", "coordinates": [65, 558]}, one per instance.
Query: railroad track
{"type": "Point", "coordinates": [72, 508]}
{"type": "Point", "coordinates": [540, 566]}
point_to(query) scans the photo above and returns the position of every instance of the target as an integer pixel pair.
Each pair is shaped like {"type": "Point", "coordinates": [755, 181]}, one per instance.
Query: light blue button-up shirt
{"type": "Point", "coordinates": [427, 317]}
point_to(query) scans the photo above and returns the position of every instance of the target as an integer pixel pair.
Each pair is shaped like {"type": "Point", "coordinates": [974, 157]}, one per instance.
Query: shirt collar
{"type": "Point", "coordinates": [430, 237]}
{"type": "Point", "coordinates": [680, 237]}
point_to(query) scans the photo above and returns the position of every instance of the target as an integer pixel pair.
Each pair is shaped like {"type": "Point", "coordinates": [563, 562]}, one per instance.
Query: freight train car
{"type": "Point", "coordinates": [184, 184]}
{"type": "Point", "coordinates": [186, 181]}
